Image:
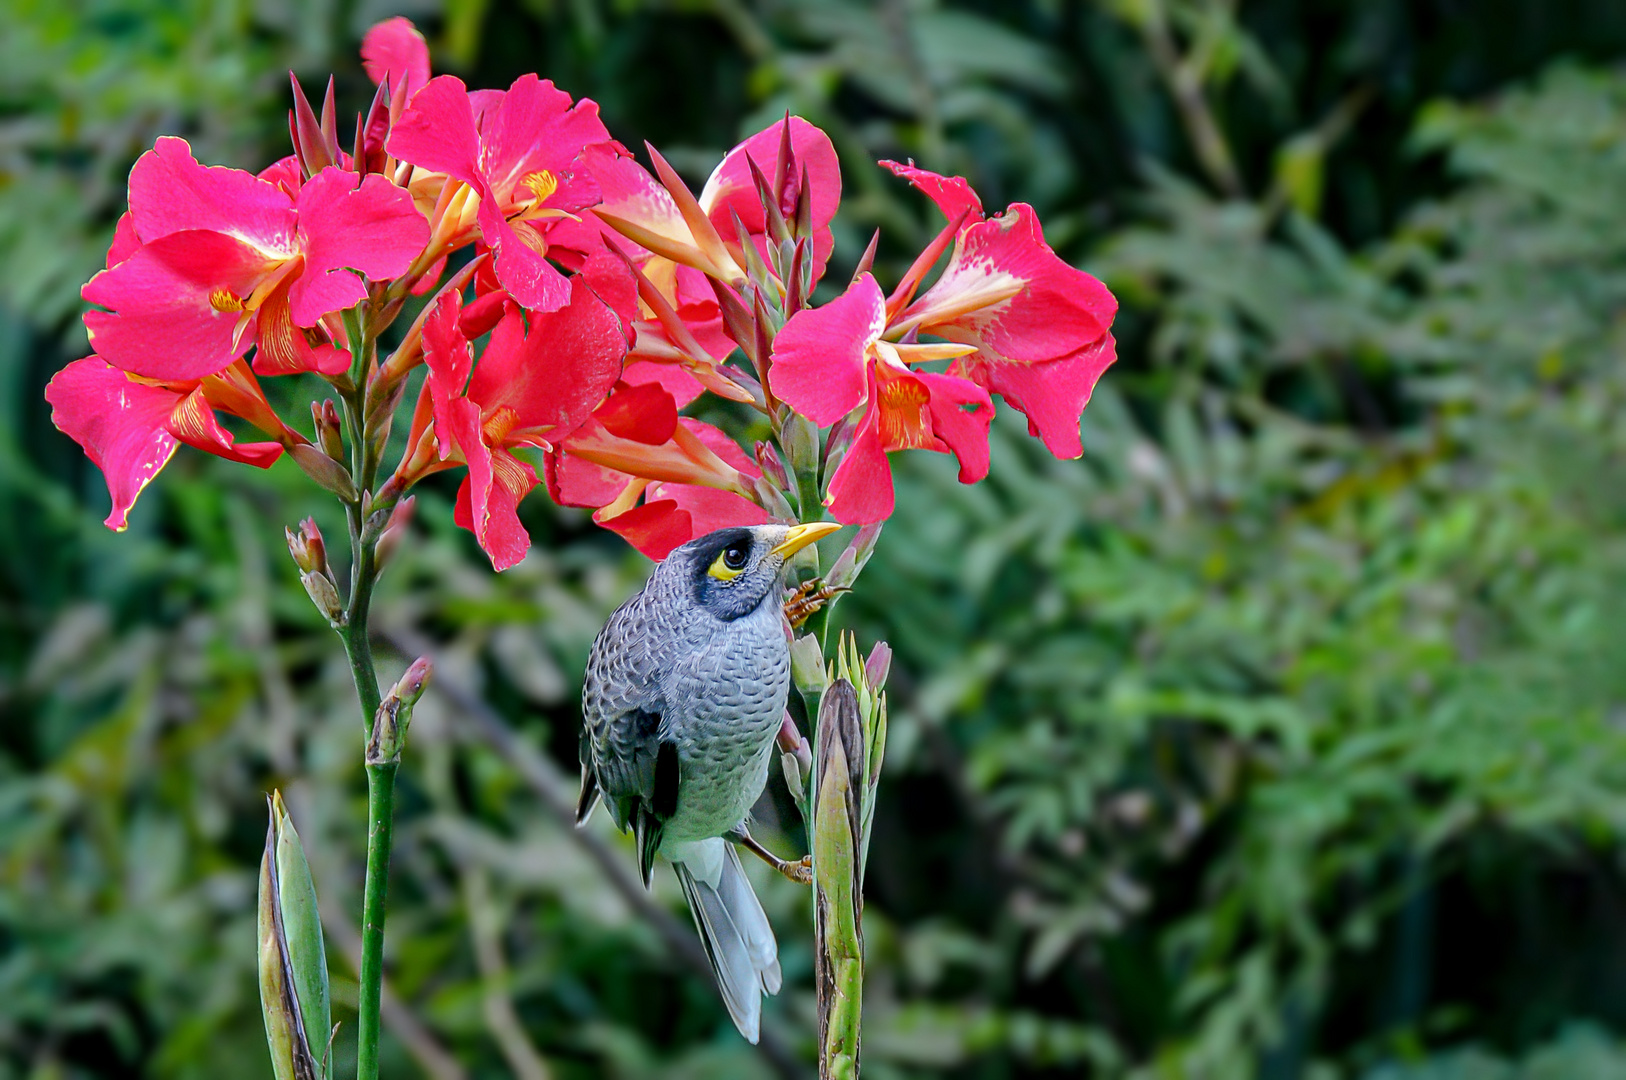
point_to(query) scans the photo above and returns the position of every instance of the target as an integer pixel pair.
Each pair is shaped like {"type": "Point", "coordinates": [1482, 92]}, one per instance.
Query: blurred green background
{"type": "Point", "coordinates": [1284, 736]}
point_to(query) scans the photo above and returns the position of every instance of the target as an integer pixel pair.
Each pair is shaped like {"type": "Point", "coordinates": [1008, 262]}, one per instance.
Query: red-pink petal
{"type": "Point", "coordinates": [163, 324]}
{"type": "Point", "coordinates": [523, 270]}
{"type": "Point", "coordinates": [448, 357]}
{"type": "Point", "coordinates": [498, 527]}
{"type": "Point", "coordinates": [193, 422]}
{"type": "Point", "coordinates": [627, 190]}
{"type": "Point", "coordinates": [731, 189]}
{"type": "Point", "coordinates": [574, 481]}
{"type": "Point", "coordinates": [119, 423]}
{"type": "Point", "coordinates": [349, 224]}
{"type": "Point", "coordinates": [682, 386]}
{"type": "Point", "coordinates": [710, 509]}
{"type": "Point", "coordinates": [125, 241]}
{"type": "Point", "coordinates": [821, 357]}
{"type": "Point", "coordinates": [612, 282]}
{"type": "Point", "coordinates": [961, 413]}
{"type": "Point", "coordinates": [536, 128]}
{"type": "Point", "coordinates": [437, 131]}
{"type": "Point", "coordinates": [170, 192]}
{"type": "Point", "coordinates": [1056, 311]}
{"type": "Point", "coordinates": [285, 174]}
{"type": "Point", "coordinates": [952, 194]}
{"type": "Point", "coordinates": [1052, 394]}
{"type": "Point", "coordinates": [394, 49]}
{"type": "Point", "coordinates": [645, 414]}
{"type": "Point", "coordinates": [721, 445]}
{"type": "Point", "coordinates": [656, 529]}
{"type": "Point", "coordinates": [551, 370]}
{"type": "Point", "coordinates": [860, 492]}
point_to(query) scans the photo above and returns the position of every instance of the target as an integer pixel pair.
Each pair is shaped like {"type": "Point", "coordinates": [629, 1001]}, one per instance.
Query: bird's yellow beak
{"type": "Point", "coordinates": [802, 535]}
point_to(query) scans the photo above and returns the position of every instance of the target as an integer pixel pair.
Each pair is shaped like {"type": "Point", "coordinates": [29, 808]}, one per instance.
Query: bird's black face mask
{"type": "Point", "coordinates": [734, 570]}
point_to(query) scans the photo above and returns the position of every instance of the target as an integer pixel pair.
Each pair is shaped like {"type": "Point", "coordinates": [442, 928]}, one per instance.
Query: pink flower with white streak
{"type": "Point", "coordinates": [1041, 329]}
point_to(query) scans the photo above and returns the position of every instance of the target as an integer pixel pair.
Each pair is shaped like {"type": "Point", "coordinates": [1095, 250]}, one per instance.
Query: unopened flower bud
{"type": "Point", "coordinates": [394, 532]}
{"type": "Point", "coordinates": [851, 561]}
{"type": "Point", "coordinates": [774, 469]}
{"type": "Point", "coordinates": [307, 548]}
{"type": "Point", "coordinates": [413, 682]}
{"type": "Point", "coordinates": [878, 665]}
{"type": "Point", "coordinates": [800, 440]}
{"type": "Point", "coordinates": [329, 433]}
{"type": "Point", "coordinates": [807, 664]}
{"type": "Point", "coordinates": [770, 498]}
{"type": "Point", "coordinates": [325, 595]}
{"type": "Point", "coordinates": [395, 713]}
{"type": "Point", "coordinates": [324, 470]}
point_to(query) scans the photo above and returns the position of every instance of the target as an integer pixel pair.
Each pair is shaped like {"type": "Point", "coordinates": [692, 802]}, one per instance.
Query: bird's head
{"type": "Point", "coordinates": [732, 571]}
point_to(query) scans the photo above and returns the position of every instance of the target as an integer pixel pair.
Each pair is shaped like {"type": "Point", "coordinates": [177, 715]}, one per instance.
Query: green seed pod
{"type": "Point", "coordinates": [293, 958]}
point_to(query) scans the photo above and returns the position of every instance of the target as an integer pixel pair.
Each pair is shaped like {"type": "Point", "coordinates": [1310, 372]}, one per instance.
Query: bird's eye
{"type": "Point", "coordinates": [730, 562]}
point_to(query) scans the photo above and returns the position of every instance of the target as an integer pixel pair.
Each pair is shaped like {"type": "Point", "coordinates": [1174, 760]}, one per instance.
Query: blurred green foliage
{"type": "Point", "coordinates": [1284, 736]}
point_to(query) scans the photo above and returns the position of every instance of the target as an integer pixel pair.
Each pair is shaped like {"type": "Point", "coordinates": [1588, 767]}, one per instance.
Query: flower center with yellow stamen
{"type": "Point", "coordinates": [498, 425]}
{"type": "Point", "coordinates": [904, 421]}
{"type": "Point", "coordinates": [223, 300]}
{"type": "Point", "coordinates": [542, 184]}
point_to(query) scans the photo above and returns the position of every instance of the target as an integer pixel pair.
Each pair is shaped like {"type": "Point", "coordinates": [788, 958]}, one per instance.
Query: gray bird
{"type": "Point", "coordinates": [685, 691]}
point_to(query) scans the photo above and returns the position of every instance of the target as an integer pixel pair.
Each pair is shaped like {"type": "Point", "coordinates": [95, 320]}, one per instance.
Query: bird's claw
{"type": "Point", "coordinates": [800, 871]}
{"type": "Point", "coordinates": [808, 598]}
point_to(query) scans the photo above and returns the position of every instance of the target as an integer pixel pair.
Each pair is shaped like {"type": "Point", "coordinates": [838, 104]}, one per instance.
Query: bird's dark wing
{"type": "Point", "coordinates": [623, 759]}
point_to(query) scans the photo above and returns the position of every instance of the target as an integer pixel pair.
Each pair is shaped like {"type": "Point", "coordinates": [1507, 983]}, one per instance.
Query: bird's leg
{"type": "Point", "coordinates": [808, 598]}
{"type": "Point", "coordinates": [800, 871]}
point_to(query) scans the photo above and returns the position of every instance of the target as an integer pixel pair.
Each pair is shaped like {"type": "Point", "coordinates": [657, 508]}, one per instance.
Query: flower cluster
{"type": "Point", "coordinates": [592, 302]}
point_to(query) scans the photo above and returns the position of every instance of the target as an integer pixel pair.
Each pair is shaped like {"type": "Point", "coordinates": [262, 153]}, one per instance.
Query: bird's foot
{"type": "Point", "coordinates": [799, 871]}
{"type": "Point", "coordinates": [808, 598]}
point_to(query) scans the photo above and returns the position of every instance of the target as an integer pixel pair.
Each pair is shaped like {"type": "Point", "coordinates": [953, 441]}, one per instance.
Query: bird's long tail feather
{"type": "Point", "coordinates": [739, 942]}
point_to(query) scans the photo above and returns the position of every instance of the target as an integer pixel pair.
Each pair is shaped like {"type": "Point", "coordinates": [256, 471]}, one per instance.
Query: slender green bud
{"type": "Point", "coordinates": [294, 998]}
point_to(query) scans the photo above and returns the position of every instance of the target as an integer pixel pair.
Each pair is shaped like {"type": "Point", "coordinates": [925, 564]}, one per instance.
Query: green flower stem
{"type": "Point", "coordinates": [381, 769]}
{"type": "Point", "coordinates": [380, 833]}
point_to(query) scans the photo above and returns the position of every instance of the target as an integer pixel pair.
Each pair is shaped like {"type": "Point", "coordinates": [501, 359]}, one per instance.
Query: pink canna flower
{"type": "Point", "coordinates": [212, 261]}
{"type": "Point", "coordinates": [1040, 328]}
{"type": "Point", "coordinates": [539, 378]}
{"type": "Point", "coordinates": [129, 427]}
{"type": "Point", "coordinates": [830, 360]}
{"type": "Point", "coordinates": [518, 151]}
{"type": "Point", "coordinates": [651, 476]}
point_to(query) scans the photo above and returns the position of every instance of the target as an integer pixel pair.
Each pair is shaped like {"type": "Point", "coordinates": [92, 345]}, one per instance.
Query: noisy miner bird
{"type": "Point", "coordinates": [685, 691]}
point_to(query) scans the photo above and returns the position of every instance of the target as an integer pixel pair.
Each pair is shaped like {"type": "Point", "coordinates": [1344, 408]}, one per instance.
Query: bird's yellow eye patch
{"type": "Point", "coordinates": [730, 562]}
{"type": "Point", "coordinates": [722, 571]}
